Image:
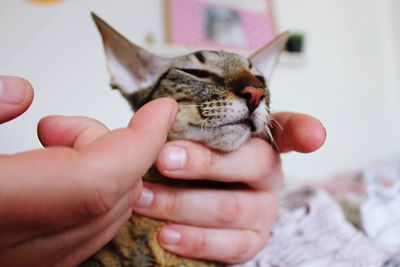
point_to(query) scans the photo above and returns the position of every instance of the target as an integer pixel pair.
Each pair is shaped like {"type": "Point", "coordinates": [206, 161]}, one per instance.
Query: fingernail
{"type": "Point", "coordinates": [173, 158]}
{"type": "Point", "coordinates": [170, 236]}
{"type": "Point", "coordinates": [12, 90]}
{"type": "Point", "coordinates": [146, 198]}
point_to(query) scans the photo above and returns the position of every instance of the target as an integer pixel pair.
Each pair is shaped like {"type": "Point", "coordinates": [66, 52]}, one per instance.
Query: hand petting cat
{"type": "Point", "coordinates": [230, 226]}
{"type": "Point", "coordinates": [60, 204]}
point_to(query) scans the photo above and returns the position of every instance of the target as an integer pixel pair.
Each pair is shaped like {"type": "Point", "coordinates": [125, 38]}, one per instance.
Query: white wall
{"type": "Point", "coordinates": [349, 81]}
{"type": "Point", "coordinates": [58, 48]}
{"type": "Point", "coordinates": [394, 6]}
{"type": "Point", "coordinates": [348, 76]}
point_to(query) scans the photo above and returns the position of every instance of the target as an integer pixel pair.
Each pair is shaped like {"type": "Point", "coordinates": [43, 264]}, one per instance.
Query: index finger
{"type": "Point", "coordinates": [298, 132]}
{"type": "Point", "coordinates": [250, 164]}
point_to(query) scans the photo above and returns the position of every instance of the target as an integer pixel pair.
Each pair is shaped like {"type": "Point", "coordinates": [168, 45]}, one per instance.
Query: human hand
{"type": "Point", "coordinates": [60, 204]}
{"type": "Point", "coordinates": [229, 226]}
{"type": "Point", "coordinates": [16, 96]}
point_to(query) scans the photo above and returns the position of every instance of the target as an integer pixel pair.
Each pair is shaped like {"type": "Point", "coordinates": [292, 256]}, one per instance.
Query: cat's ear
{"type": "Point", "coordinates": [266, 58]}
{"type": "Point", "coordinates": [131, 67]}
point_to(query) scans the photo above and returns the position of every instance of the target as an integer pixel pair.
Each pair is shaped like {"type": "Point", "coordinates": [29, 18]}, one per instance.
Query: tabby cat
{"type": "Point", "coordinates": [223, 100]}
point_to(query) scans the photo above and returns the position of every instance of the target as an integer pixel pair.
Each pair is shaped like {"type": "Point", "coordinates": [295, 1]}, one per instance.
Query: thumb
{"type": "Point", "coordinates": [126, 154]}
{"type": "Point", "coordinates": [16, 96]}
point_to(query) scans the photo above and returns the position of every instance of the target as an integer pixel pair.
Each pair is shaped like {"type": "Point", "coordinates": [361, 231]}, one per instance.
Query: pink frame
{"type": "Point", "coordinates": [188, 24]}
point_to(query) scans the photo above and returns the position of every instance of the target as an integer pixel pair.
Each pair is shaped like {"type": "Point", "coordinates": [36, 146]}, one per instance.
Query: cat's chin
{"type": "Point", "coordinates": [231, 137]}
{"type": "Point", "coordinates": [227, 138]}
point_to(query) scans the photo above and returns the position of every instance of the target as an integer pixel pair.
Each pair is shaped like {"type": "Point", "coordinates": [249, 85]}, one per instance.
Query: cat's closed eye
{"type": "Point", "coordinates": [204, 74]}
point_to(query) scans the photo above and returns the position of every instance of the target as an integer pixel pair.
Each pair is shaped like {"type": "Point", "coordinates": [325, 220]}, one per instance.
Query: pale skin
{"type": "Point", "coordinates": [60, 204]}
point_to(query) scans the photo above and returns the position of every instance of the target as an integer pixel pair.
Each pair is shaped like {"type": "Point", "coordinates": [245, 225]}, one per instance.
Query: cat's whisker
{"type": "Point", "coordinates": [204, 122]}
{"type": "Point", "coordinates": [270, 136]}
{"type": "Point", "coordinates": [216, 124]}
{"type": "Point", "coordinates": [273, 122]}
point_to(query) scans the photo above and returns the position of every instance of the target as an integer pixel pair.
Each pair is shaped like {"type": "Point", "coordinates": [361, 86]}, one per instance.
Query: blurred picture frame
{"type": "Point", "coordinates": [220, 24]}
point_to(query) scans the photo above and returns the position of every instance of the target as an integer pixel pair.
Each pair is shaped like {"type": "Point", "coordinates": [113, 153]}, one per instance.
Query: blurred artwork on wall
{"type": "Point", "coordinates": [221, 24]}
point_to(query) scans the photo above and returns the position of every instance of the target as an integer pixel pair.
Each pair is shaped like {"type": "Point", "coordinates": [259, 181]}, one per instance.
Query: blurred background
{"type": "Point", "coordinates": [347, 74]}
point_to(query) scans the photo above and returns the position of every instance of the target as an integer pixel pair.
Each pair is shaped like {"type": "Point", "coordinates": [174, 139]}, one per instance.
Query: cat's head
{"type": "Point", "coordinates": [223, 97]}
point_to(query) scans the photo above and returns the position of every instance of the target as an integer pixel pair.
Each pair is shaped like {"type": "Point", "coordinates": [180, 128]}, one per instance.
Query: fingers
{"type": "Point", "coordinates": [16, 95]}
{"type": "Point", "coordinates": [254, 162]}
{"type": "Point", "coordinates": [217, 208]}
{"type": "Point", "coordinates": [228, 226]}
{"type": "Point", "coordinates": [298, 132]}
{"type": "Point", "coordinates": [114, 161]}
{"type": "Point", "coordinates": [224, 245]}
{"type": "Point", "coordinates": [88, 182]}
{"type": "Point", "coordinates": [76, 132]}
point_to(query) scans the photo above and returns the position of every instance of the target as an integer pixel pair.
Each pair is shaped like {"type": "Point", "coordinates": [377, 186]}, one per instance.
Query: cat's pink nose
{"type": "Point", "coordinates": [253, 96]}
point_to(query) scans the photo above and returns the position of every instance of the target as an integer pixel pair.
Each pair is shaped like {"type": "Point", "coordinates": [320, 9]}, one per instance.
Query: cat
{"type": "Point", "coordinates": [223, 101]}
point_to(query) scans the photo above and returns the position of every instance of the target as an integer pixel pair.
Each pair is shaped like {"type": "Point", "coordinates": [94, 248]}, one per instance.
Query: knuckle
{"type": "Point", "coordinates": [243, 250]}
{"type": "Point", "coordinates": [264, 173]}
{"type": "Point", "coordinates": [134, 194]}
{"type": "Point", "coordinates": [229, 208]}
{"type": "Point", "coordinates": [270, 154]}
{"type": "Point", "coordinates": [253, 212]}
{"type": "Point", "coordinates": [274, 210]}
{"type": "Point", "coordinates": [100, 198]}
{"type": "Point", "coordinates": [265, 170]}
{"type": "Point", "coordinates": [263, 239]}
{"type": "Point", "coordinates": [264, 233]}
{"type": "Point", "coordinates": [264, 227]}
{"type": "Point", "coordinates": [171, 205]}
{"type": "Point", "coordinates": [270, 215]}
{"type": "Point", "coordinates": [199, 245]}
{"type": "Point", "coordinates": [208, 159]}
{"type": "Point", "coordinates": [270, 175]}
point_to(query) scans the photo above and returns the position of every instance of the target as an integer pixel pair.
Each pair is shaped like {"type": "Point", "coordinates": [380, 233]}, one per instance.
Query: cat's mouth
{"type": "Point", "coordinates": [246, 122]}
